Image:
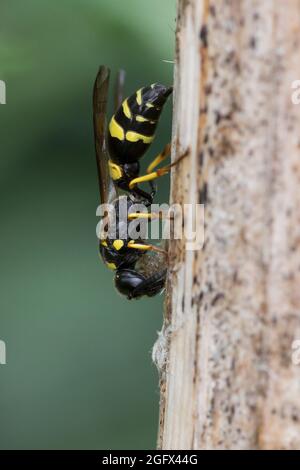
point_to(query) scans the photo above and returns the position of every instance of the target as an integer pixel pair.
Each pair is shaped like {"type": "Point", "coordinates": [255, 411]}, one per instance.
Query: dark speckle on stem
{"type": "Point", "coordinates": [252, 42]}
{"type": "Point", "coordinates": [216, 298]}
{"type": "Point", "coordinates": [203, 35]}
{"type": "Point", "coordinates": [203, 194]}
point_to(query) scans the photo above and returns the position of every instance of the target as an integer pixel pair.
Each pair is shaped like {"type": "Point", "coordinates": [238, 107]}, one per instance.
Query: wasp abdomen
{"type": "Point", "coordinates": [132, 128]}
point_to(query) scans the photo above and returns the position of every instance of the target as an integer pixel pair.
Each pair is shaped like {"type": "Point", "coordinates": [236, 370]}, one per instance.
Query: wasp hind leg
{"type": "Point", "coordinates": [153, 174]}
{"type": "Point", "coordinates": [159, 158]}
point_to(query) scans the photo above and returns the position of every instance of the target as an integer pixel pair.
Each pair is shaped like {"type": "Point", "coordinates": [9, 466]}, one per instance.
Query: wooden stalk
{"type": "Point", "coordinates": [233, 308]}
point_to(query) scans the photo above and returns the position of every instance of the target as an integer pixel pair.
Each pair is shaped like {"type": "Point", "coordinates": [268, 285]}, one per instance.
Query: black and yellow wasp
{"type": "Point", "coordinates": [140, 267]}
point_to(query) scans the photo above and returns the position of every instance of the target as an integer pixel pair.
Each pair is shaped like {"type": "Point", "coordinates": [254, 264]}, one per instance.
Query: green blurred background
{"type": "Point", "coordinates": [79, 372]}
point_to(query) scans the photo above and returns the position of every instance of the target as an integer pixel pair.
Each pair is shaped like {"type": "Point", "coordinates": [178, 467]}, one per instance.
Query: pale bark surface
{"type": "Point", "coordinates": [233, 308]}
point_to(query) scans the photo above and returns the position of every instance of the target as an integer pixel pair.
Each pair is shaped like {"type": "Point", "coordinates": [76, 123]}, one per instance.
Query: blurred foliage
{"type": "Point", "coordinates": [79, 372]}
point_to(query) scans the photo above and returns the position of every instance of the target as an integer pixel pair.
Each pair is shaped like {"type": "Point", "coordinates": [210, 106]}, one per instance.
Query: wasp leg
{"type": "Point", "coordinates": [134, 284]}
{"type": "Point", "coordinates": [148, 215]}
{"type": "Point", "coordinates": [159, 158]}
{"type": "Point", "coordinates": [155, 174]}
{"type": "Point", "coordinates": [145, 247]}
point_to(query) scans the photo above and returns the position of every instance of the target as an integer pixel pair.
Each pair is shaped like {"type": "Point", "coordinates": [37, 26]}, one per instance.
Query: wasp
{"type": "Point", "coordinates": [140, 268]}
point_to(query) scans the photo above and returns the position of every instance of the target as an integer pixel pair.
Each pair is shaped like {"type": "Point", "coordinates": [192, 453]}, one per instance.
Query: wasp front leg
{"type": "Point", "coordinates": [150, 215]}
{"type": "Point", "coordinates": [133, 244]}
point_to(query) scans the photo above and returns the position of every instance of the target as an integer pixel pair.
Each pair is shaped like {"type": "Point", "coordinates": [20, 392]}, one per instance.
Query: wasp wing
{"type": "Point", "coordinates": [100, 96]}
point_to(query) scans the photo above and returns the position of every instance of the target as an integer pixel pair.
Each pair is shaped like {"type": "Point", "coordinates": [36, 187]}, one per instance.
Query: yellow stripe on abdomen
{"type": "Point", "coordinates": [140, 118]}
{"type": "Point", "coordinates": [135, 137]}
{"type": "Point", "coordinates": [139, 97]}
{"type": "Point", "coordinates": [126, 109]}
{"type": "Point", "coordinates": [116, 130]}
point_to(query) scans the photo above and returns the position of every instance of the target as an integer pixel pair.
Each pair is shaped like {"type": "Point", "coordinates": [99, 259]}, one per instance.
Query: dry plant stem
{"type": "Point", "coordinates": [233, 308]}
